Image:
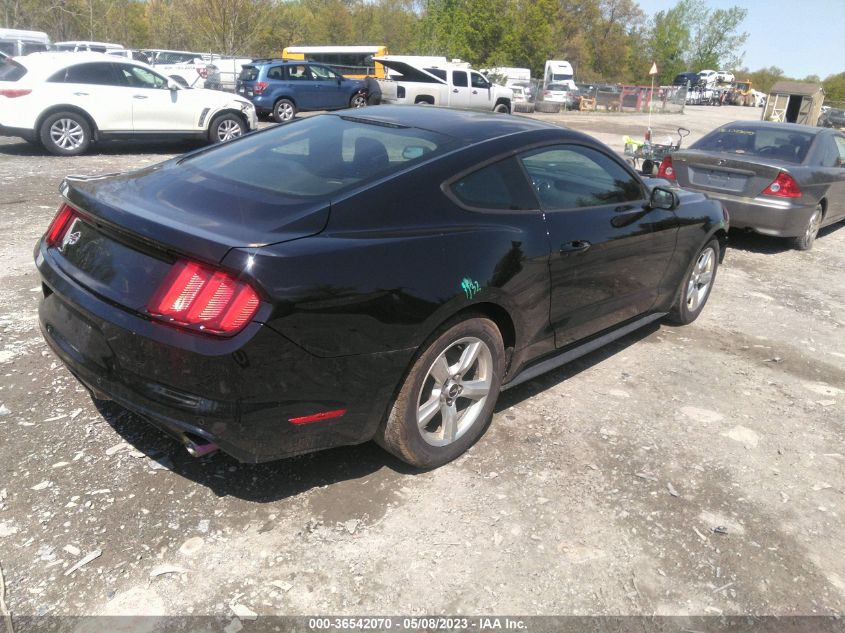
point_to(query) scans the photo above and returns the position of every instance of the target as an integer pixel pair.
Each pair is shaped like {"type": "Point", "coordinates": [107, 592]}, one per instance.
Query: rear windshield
{"type": "Point", "coordinates": [787, 145]}
{"type": "Point", "coordinates": [10, 70]}
{"type": "Point", "coordinates": [320, 155]}
{"type": "Point", "coordinates": [248, 73]}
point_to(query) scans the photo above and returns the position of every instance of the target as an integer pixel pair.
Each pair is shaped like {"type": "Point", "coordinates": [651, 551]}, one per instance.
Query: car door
{"type": "Point", "coordinates": [460, 91]}
{"type": "Point", "coordinates": [609, 249]}
{"type": "Point", "coordinates": [480, 93]}
{"type": "Point", "coordinates": [98, 89]}
{"type": "Point", "coordinates": [329, 90]}
{"type": "Point", "coordinates": [836, 203]}
{"type": "Point", "coordinates": [156, 108]}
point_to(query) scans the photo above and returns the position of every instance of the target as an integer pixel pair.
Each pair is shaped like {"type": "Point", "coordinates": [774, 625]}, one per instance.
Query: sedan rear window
{"type": "Point", "coordinates": [320, 155]}
{"type": "Point", "coordinates": [10, 70]}
{"type": "Point", "coordinates": [786, 145]}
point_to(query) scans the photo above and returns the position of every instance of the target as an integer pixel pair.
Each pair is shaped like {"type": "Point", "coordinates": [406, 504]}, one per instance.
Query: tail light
{"type": "Point", "coordinates": [59, 225]}
{"type": "Point", "coordinates": [666, 170]}
{"type": "Point", "coordinates": [202, 72]}
{"type": "Point", "coordinates": [547, 93]}
{"type": "Point", "coordinates": [14, 92]}
{"type": "Point", "coordinates": [784, 186]}
{"type": "Point", "coordinates": [259, 87]}
{"type": "Point", "coordinates": [199, 297]}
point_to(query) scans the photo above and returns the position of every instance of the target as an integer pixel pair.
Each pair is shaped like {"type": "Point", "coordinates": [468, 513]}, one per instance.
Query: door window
{"type": "Point", "coordinates": [321, 73]}
{"type": "Point", "coordinates": [138, 77]}
{"type": "Point", "coordinates": [478, 81]}
{"type": "Point", "coordinates": [459, 78]}
{"type": "Point", "coordinates": [96, 73]}
{"type": "Point", "coordinates": [573, 176]}
{"type": "Point", "coordinates": [840, 145]}
{"type": "Point", "coordinates": [298, 73]}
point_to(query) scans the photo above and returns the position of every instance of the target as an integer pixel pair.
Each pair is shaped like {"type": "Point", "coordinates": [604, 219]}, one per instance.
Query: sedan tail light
{"type": "Point", "coordinates": [56, 232]}
{"type": "Point", "coordinates": [260, 87]}
{"type": "Point", "coordinates": [784, 186]}
{"type": "Point", "coordinates": [666, 170]}
{"type": "Point", "coordinates": [14, 92]}
{"type": "Point", "coordinates": [205, 299]}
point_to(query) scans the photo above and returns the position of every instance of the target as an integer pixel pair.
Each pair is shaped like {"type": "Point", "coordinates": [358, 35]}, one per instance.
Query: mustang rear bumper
{"type": "Point", "coordinates": [238, 393]}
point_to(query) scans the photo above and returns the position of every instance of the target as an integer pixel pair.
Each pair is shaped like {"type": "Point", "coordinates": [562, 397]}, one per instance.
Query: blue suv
{"type": "Point", "coordinates": [285, 87]}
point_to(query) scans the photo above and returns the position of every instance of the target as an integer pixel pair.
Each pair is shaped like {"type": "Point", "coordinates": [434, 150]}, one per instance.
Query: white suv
{"type": "Point", "coordinates": [66, 101]}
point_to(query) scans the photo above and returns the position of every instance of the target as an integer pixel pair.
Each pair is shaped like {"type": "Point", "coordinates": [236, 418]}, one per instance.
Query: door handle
{"type": "Point", "coordinates": [81, 94]}
{"type": "Point", "coordinates": [475, 92]}
{"type": "Point", "coordinates": [140, 97]}
{"type": "Point", "coordinates": [575, 246]}
{"type": "Point", "coordinates": [454, 90]}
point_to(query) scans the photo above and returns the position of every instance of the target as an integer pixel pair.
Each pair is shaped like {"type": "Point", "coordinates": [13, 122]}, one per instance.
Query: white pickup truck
{"type": "Point", "coordinates": [451, 85]}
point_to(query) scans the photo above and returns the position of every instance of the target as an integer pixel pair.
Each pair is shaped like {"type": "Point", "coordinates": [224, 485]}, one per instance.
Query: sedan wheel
{"type": "Point", "coordinates": [358, 101]}
{"type": "Point", "coordinates": [696, 286]}
{"type": "Point", "coordinates": [447, 400]}
{"type": "Point", "coordinates": [805, 241]}
{"type": "Point", "coordinates": [65, 134]}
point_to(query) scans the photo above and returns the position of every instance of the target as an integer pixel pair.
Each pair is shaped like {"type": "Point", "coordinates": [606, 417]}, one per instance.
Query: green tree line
{"type": "Point", "coordinates": [606, 40]}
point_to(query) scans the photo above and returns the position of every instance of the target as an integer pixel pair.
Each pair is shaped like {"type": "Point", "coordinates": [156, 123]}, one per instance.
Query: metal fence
{"type": "Point", "coordinates": [534, 96]}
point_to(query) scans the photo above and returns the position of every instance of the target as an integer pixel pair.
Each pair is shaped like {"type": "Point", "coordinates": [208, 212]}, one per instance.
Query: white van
{"type": "Point", "coordinates": [559, 72]}
{"type": "Point", "coordinates": [95, 47]}
{"type": "Point", "coordinates": [17, 42]}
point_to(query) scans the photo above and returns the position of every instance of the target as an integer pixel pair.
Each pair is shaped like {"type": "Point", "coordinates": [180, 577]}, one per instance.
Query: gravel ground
{"type": "Point", "coordinates": [679, 471]}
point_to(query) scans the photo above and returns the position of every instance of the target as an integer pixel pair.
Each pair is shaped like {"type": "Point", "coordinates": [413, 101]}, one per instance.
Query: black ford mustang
{"type": "Point", "coordinates": [355, 275]}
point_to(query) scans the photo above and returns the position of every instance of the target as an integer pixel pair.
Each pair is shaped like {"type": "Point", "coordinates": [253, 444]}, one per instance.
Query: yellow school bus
{"type": "Point", "coordinates": [351, 61]}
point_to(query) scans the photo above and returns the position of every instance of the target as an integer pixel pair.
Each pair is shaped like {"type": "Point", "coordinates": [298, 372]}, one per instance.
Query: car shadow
{"type": "Point", "coordinates": [109, 148]}
{"type": "Point", "coordinates": [262, 483]}
{"type": "Point", "coordinates": [272, 481]}
{"type": "Point", "coordinates": [552, 378]}
{"type": "Point", "coordinates": [767, 245]}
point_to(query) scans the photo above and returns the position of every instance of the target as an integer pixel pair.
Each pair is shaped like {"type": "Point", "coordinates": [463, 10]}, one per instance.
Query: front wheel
{"type": "Point", "coordinates": [502, 108]}
{"type": "Point", "coordinates": [226, 127]}
{"type": "Point", "coordinates": [447, 399]}
{"type": "Point", "coordinates": [696, 286]}
{"type": "Point", "coordinates": [284, 110]}
{"type": "Point", "coordinates": [804, 242]}
{"type": "Point", "coordinates": [65, 134]}
{"type": "Point", "coordinates": [358, 101]}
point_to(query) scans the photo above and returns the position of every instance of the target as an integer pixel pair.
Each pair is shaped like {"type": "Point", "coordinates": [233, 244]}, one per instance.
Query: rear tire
{"type": "Point", "coordinates": [502, 108]}
{"type": "Point", "coordinates": [696, 286]}
{"type": "Point", "coordinates": [225, 127]}
{"type": "Point", "coordinates": [65, 134]}
{"type": "Point", "coordinates": [804, 242]}
{"type": "Point", "coordinates": [433, 420]}
{"type": "Point", "coordinates": [284, 110]}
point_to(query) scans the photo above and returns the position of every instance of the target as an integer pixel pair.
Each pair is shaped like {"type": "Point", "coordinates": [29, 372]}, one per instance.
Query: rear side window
{"type": "Point", "coordinates": [501, 185]}
{"type": "Point", "coordinates": [459, 78]}
{"type": "Point", "coordinates": [276, 72]}
{"type": "Point", "coordinates": [10, 70]}
{"type": "Point", "coordinates": [248, 73]}
{"type": "Point", "coordinates": [97, 73]}
{"type": "Point", "coordinates": [32, 47]}
{"type": "Point", "coordinates": [320, 155]}
{"type": "Point", "coordinates": [780, 144]}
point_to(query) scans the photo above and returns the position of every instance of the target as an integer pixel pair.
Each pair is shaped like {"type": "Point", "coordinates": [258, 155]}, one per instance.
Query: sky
{"type": "Point", "coordinates": [802, 37]}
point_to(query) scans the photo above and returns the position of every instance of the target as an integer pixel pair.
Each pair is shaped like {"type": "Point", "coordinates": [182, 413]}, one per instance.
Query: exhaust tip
{"type": "Point", "coordinates": [199, 448]}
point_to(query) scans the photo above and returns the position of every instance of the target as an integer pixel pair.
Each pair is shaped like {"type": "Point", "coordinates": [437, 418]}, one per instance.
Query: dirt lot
{"type": "Point", "coordinates": [597, 490]}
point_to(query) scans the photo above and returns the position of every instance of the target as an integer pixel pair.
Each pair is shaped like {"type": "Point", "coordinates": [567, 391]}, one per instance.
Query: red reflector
{"type": "Point", "coordinates": [202, 72]}
{"type": "Point", "coordinates": [784, 186]}
{"type": "Point", "coordinates": [203, 298]}
{"type": "Point", "coordinates": [14, 92]}
{"type": "Point", "coordinates": [666, 170]}
{"type": "Point", "coordinates": [259, 87]}
{"type": "Point", "coordinates": [63, 219]}
{"type": "Point", "coordinates": [318, 417]}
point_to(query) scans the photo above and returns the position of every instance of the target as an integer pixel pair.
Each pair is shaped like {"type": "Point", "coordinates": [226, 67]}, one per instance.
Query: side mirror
{"type": "Point", "coordinates": [662, 198]}
{"type": "Point", "coordinates": [173, 85]}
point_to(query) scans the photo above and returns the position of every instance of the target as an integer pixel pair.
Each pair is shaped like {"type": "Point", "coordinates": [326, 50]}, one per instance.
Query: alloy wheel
{"type": "Point", "coordinates": [700, 279]}
{"type": "Point", "coordinates": [228, 129]}
{"type": "Point", "coordinates": [67, 134]}
{"type": "Point", "coordinates": [454, 391]}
